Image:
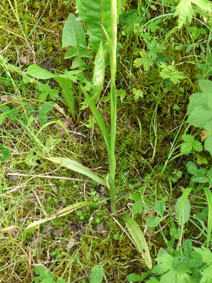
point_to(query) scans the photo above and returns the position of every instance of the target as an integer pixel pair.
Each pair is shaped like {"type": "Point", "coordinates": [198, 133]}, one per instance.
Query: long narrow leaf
{"type": "Point", "coordinates": [98, 73]}
{"type": "Point", "coordinates": [99, 121]}
{"type": "Point", "coordinates": [183, 208]}
{"type": "Point", "coordinates": [62, 212]}
{"type": "Point", "coordinates": [138, 238]}
{"type": "Point", "coordinates": [77, 167]}
{"type": "Point", "coordinates": [209, 199]}
{"type": "Point", "coordinates": [113, 102]}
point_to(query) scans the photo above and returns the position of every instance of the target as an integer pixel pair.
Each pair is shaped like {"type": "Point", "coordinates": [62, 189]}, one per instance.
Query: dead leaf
{"type": "Point", "coordinates": [204, 134]}
{"type": "Point", "coordinates": [9, 229]}
{"type": "Point", "coordinates": [24, 60]}
{"type": "Point", "coordinates": [60, 110]}
{"type": "Point", "coordinates": [67, 123]}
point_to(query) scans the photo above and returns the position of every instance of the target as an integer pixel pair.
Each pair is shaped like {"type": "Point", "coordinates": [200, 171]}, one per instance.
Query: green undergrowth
{"type": "Point", "coordinates": [151, 173]}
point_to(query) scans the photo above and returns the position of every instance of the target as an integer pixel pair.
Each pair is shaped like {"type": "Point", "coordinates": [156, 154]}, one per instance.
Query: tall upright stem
{"type": "Point", "coordinates": [113, 100]}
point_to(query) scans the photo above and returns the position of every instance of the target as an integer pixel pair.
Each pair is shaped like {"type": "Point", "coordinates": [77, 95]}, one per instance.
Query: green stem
{"type": "Point", "coordinates": [113, 100]}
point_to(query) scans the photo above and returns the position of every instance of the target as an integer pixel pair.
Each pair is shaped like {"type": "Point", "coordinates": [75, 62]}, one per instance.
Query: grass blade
{"type": "Point", "coordinates": [138, 239]}
{"type": "Point", "coordinates": [209, 200]}
{"type": "Point", "coordinates": [77, 167]}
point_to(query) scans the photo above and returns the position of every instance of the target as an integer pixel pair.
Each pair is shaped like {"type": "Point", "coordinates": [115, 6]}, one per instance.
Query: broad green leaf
{"type": "Point", "coordinates": [208, 144]}
{"type": "Point", "coordinates": [169, 267]}
{"type": "Point", "coordinates": [77, 167]}
{"type": "Point", "coordinates": [153, 222]}
{"type": "Point", "coordinates": [205, 86]}
{"type": "Point", "coordinates": [201, 117]}
{"type": "Point", "coordinates": [97, 274]}
{"type": "Point", "coordinates": [39, 73]}
{"type": "Point", "coordinates": [62, 212]}
{"type": "Point", "coordinates": [190, 144]}
{"type": "Point", "coordinates": [44, 274]}
{"type": "Point", "coordinates": [192, 168]}
{"type": "Point", "coordinates": [194, 101]}
{"type": "Point", "coordinates": [91, 12]}
{"type": "Point", "coordinates": [137, 206]}
{"type": "Point", "coordinates": [180, 264]}
{"type": "Point", "coordinates": [98, 73]}
{"type": "Point", "coordinates": [183, 208]}
{"type": "Point", "coordinates": [200, 179]}
{"type": "Point", "coordinates": [200, 107]}
{"type": "Point", "coordinates": [205, 253]}
{"type": "Point", "coordinates": [209, 201]}
{"type": "Point", "coordinates": [133, 277]}
{"type": "Point", "coordinates": [164, 261]}
{"type": "Point", "coordinates": [160, 207]}
{"type": "Point", "coordinates": [4, 153]}
{"type": "Point", "coordinates": [74, 35]}
{"type": "Point", "coordinates": [138, 238]}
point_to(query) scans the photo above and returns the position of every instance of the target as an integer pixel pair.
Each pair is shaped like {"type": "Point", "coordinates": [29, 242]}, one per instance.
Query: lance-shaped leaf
{"type": "Point", "coordinates": [98, 73]}
{"type": "Point", "coordinates": [95, 13]}
{"type": "Point", "coordinates": [100, 122]}
{"type": "Point", "coordinates": [77, 167]}
{"type": "Point", "coordinates": [62, 212]}
{"type": "Point", "coordinates": [74, 35]}
{"type": "Point", "coordinates": [138, 239]}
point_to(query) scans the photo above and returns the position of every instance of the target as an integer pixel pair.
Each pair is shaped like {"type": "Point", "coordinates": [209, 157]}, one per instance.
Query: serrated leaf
{"type": "Point", "coordinates": [200, 107]}
{"type": "Point", "coordinates": [205, 254]}
{"type": "Point", "coordinates": [185, 12]}
{"type": "Point", "coordinates": [201, 117]}
{"type": "Point", "coordinates": [44, 110]}
{"type": "Point", "coordinates": [170, 72]}
{"type": "Point", "coordinates": [97, 274]}
{"type": "Point", "coordinates": [190, 144]}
